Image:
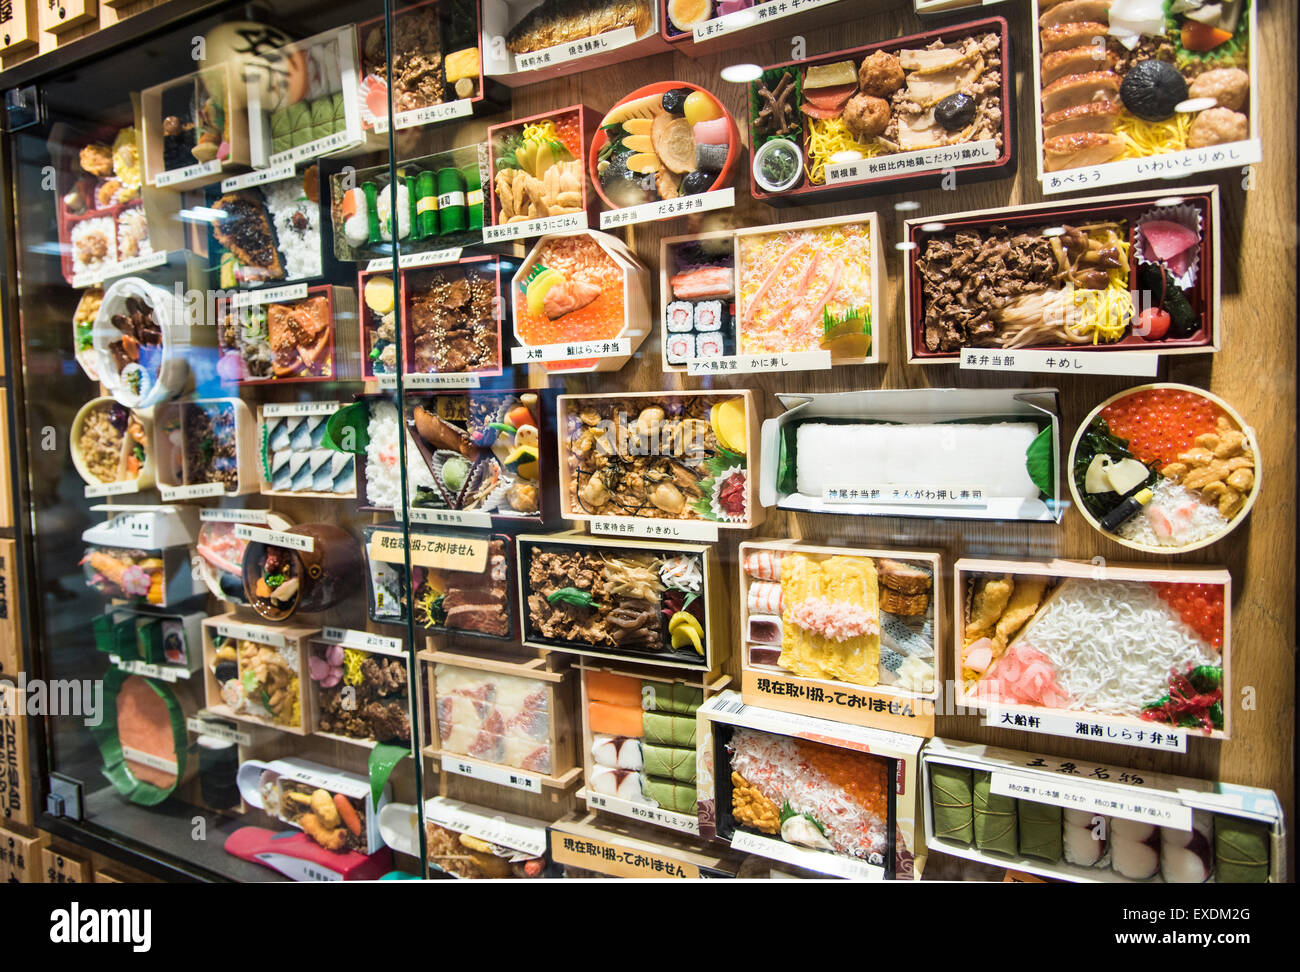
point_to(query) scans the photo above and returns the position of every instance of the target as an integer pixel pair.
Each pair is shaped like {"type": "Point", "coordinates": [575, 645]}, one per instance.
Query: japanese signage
{"type": "Point", "coordinates": [563, 223]}
{"type": "Point", "coordinates": [59, 868]}
{"type": "Point", "coordinates": [351, 638]}
{"type": "Point", "coordinates": [452, 380]}
{"type": "Point", "coordinates": [610, 40]}
{"type": "Point", "coordinates": [911, 163]}
{"type": "Point", "coordinates": [196, 171]}
{"type": "Point", "coordinates": [119, 488]}
{"type": "Point", "coordinates": [501, 775]}
{"type": "Point", "coordinates": [668, 208]}
{"type": "Point", "coordinates": [779, 850]}
{"type": "Point", "coordinates": [741, 364]}
{"type": "Point", "coordinates": [1138, 364]}
{"type": "Point", "coordinates": [258, 177]}
{"type": "Point", "coordinates": [275, 538]}
{"type": "Point", "coordinates": [640, 526]}
{"type": "Point", "coordinates": [235, 516]}
{"type": "Point", "coordinates": [218, 730]}
{"type": "Point", "coordinates": [494, 829]}
{"type": "Point", "coordinates": [614, 861]}
{"type": "Point", "coordinates": [1080, 726]}
{"type": "Point", "coordinates": [15, 768]}
{"type": "Point", "coordinates": [474, 519]}
{"type": "Point", "coordinates": [269, 295]}
{"type": "Point", "coordinates": [685, 822]}
{"type": "Point", "coordinates": [1170, 165]}
{"type": "Point", "coordinates": [1083, 795]}
{"type": "Point", "coordinates": [320, 146]}
{"type": "Point", "coordinates": [758, 14]}
{"type": "Point", "coordinates": [20, 857]}
{"type": "Point", "coordinates": [839, 701]}
{"type": "Point", "coordinates": [193, 491]}
{"type": "Point", "coordinates": [428, 115]}
{"type": "Point", "coordinates": [10, 648]}
{"type": "Point", "coordinates": [299, 408]}
{"type": "Point", "coordinates": [439, 553]}
{"type": "Point", "coordinates": [136, 667]}
{"type": "Point", "coordinates": [934, 494]}
{"type": "Point", "coordinates": [122, 268]}
{"type": "Point", "coordinates": [572, 351]}
{"type": "Point", "coordinates": [245, 632]}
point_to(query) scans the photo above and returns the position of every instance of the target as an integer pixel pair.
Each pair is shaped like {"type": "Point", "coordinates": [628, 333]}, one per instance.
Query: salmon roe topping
{"type": "Point", "coordinates": [1199, 605]}
{"type": "Point", "coordinates": [863, 778]}
{"type": "Point", "coordinates": [566, 130]}
{"type": "Point", "coordinates": [1161, 423]}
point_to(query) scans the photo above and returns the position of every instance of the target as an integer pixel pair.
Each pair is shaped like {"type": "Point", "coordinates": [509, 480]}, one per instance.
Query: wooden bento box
{"type": "Point", "coordinates": [785, 86]}
{"type": "Point", "coordinates": [683, 578]}
{"type": "Point", "coordinates": [542, 192]}
{"type": "Point", "coordinates": [1078, 821]}
{"type": "Point", "coordinates": [273, 657]}
{"type": "Point", "coordinates": [292, 457]}
{"type": "Point", "coordinates": [1115, 268]}
{"type": "Point", "coordinates": [589, 331]}
{"type": "Point", "coordinates": [523, 738]}
{"type": "Point", "coordinates": [831, 670]}
{"type": "Point", "coordinates": [696, 453]}
{"type": "Point", "coordinates": [1017, 622]}
{"type": "Point", "coordinates": [326, 314]}
{"type": "Point", "coordinates": [1186, 127]}
{"type": "Point", "coordinates": [749, 758]}
{"type": "Point", "coordinates": [716, 290]}
{"type": "Point", "coordinates": [229, 425]}
{"type": "Point", "coordinates": [354, 703]}
{"type": "Point", "coordinates": [638, 742]}
{"type": "Point", "coordinates": [212, 103]}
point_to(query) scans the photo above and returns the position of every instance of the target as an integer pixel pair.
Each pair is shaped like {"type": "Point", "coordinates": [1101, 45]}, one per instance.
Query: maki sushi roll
{"type": "Point", "coordinates": [680, 348]}
{"type": "Point", "coordinates": [679, 316]}
{"type": "Point", "coordinates": [709, 345]}
{"type": "Point", "coordinates": [709, 315]}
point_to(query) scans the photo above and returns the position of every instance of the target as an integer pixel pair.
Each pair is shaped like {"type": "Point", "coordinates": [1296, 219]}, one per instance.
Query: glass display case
{"type": "Point", "coordinates": [494, 440]}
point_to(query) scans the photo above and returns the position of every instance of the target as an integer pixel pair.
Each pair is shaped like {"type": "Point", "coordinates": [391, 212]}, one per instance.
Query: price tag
{"type": "Point", "coordinates": [903, 164]}
{"type": "Point", "coordinates": [951, 494]}
{"type": "Point", "coordinates": [148, 759]}
{"type": "Point", "coordinates": [1107, 801]}
{"type": "Point", "coordinates": [287, 409]}
{"type": "Point", "coordinates": [1170, 165]}
{"type": "Point", "coordinates": [118, 488]}
{"type": "Point", "coordinates": [234, 515]}
{"type": "Point", "coordinates": [473, 519]}
{"type": "Point", "coordinates": [563, 223]}
{"type": "Point", "coordinates": [352, 638]}
{"type": "Point", "coordinates": [309, 150]}
{"type": "Point", "coordinates": [741, 364]}
{"type": "Point", "coordinates": [610, 40]}
{"type": "Point", "coordinates": [246, 632]}
{"type": "Point", "coordinates": [196, 171]}
{"type": "Point", "coordinates": [639, 526]}
{"type": "Point", "coordinates": [439, 553]}
{"type": "Point", "coordinates": [669, 208]}
{"type": "Point", "coordinates": [683, 822]}
{"type": "Point", "coordinates": [269, 295]}
{"type": "Point", "coordinates": [1081, 726]}
{"type": "Point", "coordinates": [258, 177]}
{"type": "Point", "coordinates": [821, 861]}
{"type": "Point", "coordinates": [193, 491]}
{"type": "Point", "coordinates": [574, 351]}
{"type": "Point", "coordinates": [137, 264]}
{"type": "Point", "coordinates": [433, 381]}
{"type": "Point", "coordinates": [428, 115]}
{"type": "Point", "coordinates": [275, 538]}
{"type": "Point", "coordinates": [758, 14]}
{"type": "Point", "coordinates": [202, 727]}
{"type": "Point", "coordinates": [501, 775]}
{"type": "Point", "coordinates": [1136, 364]}
{"type": "Point", "coordinates": [137, 667]}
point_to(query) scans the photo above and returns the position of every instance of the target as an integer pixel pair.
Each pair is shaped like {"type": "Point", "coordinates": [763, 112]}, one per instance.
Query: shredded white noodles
{"type": "Point", "coordinates": [1113, 643]}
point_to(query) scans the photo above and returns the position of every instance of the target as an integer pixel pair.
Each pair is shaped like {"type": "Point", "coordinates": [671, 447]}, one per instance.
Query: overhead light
{"type": "Point", "coordinates": [741, 73]}
{"type": "Point", "coordinates": [906, 206]}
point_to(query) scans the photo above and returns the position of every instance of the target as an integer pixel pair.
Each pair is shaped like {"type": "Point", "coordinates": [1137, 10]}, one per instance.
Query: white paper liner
{"type": "Point", "coordinates": [715, 507]}
{"type": "Point", "coordinates": [1185, 215]}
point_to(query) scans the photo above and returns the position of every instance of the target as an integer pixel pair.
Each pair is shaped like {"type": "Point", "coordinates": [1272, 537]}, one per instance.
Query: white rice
{"type": "Point", "coordinates": [1113, 643]}
{"type": "Point", "coordinates": [300, 248]}
{"type": "Point", "coordinates": [383, 484]}
{"type": "Point", "coordinates": [1166, 497]}
{"type": "Point", "coordinates": [102, 225]}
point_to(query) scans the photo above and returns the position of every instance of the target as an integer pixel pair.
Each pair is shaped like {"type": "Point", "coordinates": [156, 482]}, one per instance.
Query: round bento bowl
{"type": "Point", "coordinates": [725, 175]}
{"type": "Point", "coordinates": [169, 311]}
{"type": "Point", "coordinates": [145, 479]}
{"type": "Point", "coordinates": [329, 572]}
{"type": "Point", "coordinates": [226, 586]}
{"type": "Point", "coordinates": [1235, 522]}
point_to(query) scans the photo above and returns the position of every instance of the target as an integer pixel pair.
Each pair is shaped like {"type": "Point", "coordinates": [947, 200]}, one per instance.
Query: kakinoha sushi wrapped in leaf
{"type": "Point", "coordinates": [1240, 851]}
{"type": "Point", "coordinates": [1040, 831]}
{"type": "Point", "coordinates": [994, 817]}
{"type": "Point", "coordinates": [951, 799]}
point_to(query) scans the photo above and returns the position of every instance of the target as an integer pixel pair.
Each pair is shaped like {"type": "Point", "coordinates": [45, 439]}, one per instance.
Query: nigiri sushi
{"type": "Point", "coordinates": [621, 783]}
{"type": "Point", "coordinates": [1135, 849]}
{"type": "Point", "coordinates": [617, 752]}
{"type": "Point", "coordinates": [1187, 856]}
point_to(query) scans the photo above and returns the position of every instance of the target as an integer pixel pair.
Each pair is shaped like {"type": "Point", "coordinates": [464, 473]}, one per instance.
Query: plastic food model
{"type": "Point", "coordinates": [555, 22]}
{"type": "Point", "coordinates": [307, 101]}
{"type": "Point", "coordinates": [1164, 468]}
{"type": "Point", "coordinates": [839, 616]}
{"type": "Point", "coordinates": [1168, 77]}
{"type": "Point", "coordinates": [662, 142]}
{"type": "Point", "coordinates": [279, 580]}
{"type": "Point", "coordinates": [360, 695]}
{"type": "Point", "coordinates": [221, 556]}
{"type": "Point", "coordinates": [295, 459]}
{"type": "Point", "coordinates": [676, 457]}
{"type": "Point", "coordinates": [335, 809]}
{"type": "Point", "coordinates": [1045, 641]}
{"type": "Point", "coordinates": [137, 575]}
{"type": "Point", "coordinates": [290, 340]}
{"type": "Point", "coordinates": [482, 451]}
{"type": "Point", "coordinates": [467, 856]}
{"type": "Point", "coordinates": [379, 337]}
{"type": "Point", "coordinates": [193, 123]}
{"type": "Point", "coordinates": [202, 443]}
{"type": "Point", "coordinates": [270, 232]}
{"type": "Point", "coordinates": [649, 602]}
{"type": "Point", "coordinates": [465, 601]}
{"type": "Point", "coordinates": [1068, 279]}
{"type": "Point", "coordinates": [101, 217]}
{"type": "Point", "coordinates": [258, 680]}
{"type": "Point", "coordinates": [892, 100]}
{"type": "Point", "coordinates": [538, 168]}
{"type": "Point", "coordinates": [139, 341]}
{"type": "Point", "coordinates": [112, 444]}
{"type": "Point", "coordinates": [453, 313]}
{"type": "Point", "coordinates": [503, 719]}
{"type": "Point", "coordinates": [435, 59]}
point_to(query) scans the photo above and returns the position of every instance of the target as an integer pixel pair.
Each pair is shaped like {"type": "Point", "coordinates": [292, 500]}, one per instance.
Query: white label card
{"type": "Point", "coordinates": [821, 861]}
{"type": "Point", "coordinates": [683, 822]}
{"type": "Point", "coordinates": [1081, 795]}
{"type": "Point", "coordinates": [474, 519]}
{"type": "Point", "coordinates": [196, 171]}
{"type": "Point", "coordinates": [758, 14]}
{"type": "Point", "coordinates": [573, 50]}
{"type": "Point", "coordinates": [946, 494]}
{"type": "Point", "coordinates": [428, 115]}
{"type": "Point", "coordinates": [148, 759]}
{"type": "Point", "coordinates": [202, 727]}
{"type": "Point", "coordinates": [146, 261]}
{"type": "Point", "coordinates": [432, 381]}
{"type": "Point", "coordinates": [903, 164]}
{"type": "Point", "coordinates": [193, 491]}
{"type": "Point", "coordinates": [269, 295]}
{"type": "Point", "coordinates": [309, 150]}
{"type": "Point", "coordinates": [1083, 726]}
{"type": "Point", "coordinates": [1172, 165]}
{"type": "Point", "coordinates": [563, 223]}
{"type": "Point", "coordinates": [244, 632]}
{"type": "Point", "coordinates": [235, 516]}
{"type": "Point", "coordinates": [501, 775]}
{"type": "Point", "coordinates": [639, 526]}
{"type": "Point", "coordinates": [137, 667]}
{"type": "Point", "coordinates": [118, 488]}
{"type": "Point", "coordinates": [740, 364]}
{"type": "Point", "coordinates": [649, 212]}
{"type": "Point", "coordinates": [288, 409]}
{"type": "Point", "coordinates": [494, 830]}
{"type": "Point", "coordinates": [575, 351]}
{"type": "Point", "coordinates": [258, 177]}
{"type": "Point", "coordinates": [352, 638]}
{"type": "Point", "coordinates": [1136, 364]}
{"type": "Point", "coordinates": [275, 538]}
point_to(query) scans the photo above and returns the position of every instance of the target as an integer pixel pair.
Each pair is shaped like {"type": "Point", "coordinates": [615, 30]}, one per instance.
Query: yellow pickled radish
{"type": "Point", "coordinates": [729, 425]}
